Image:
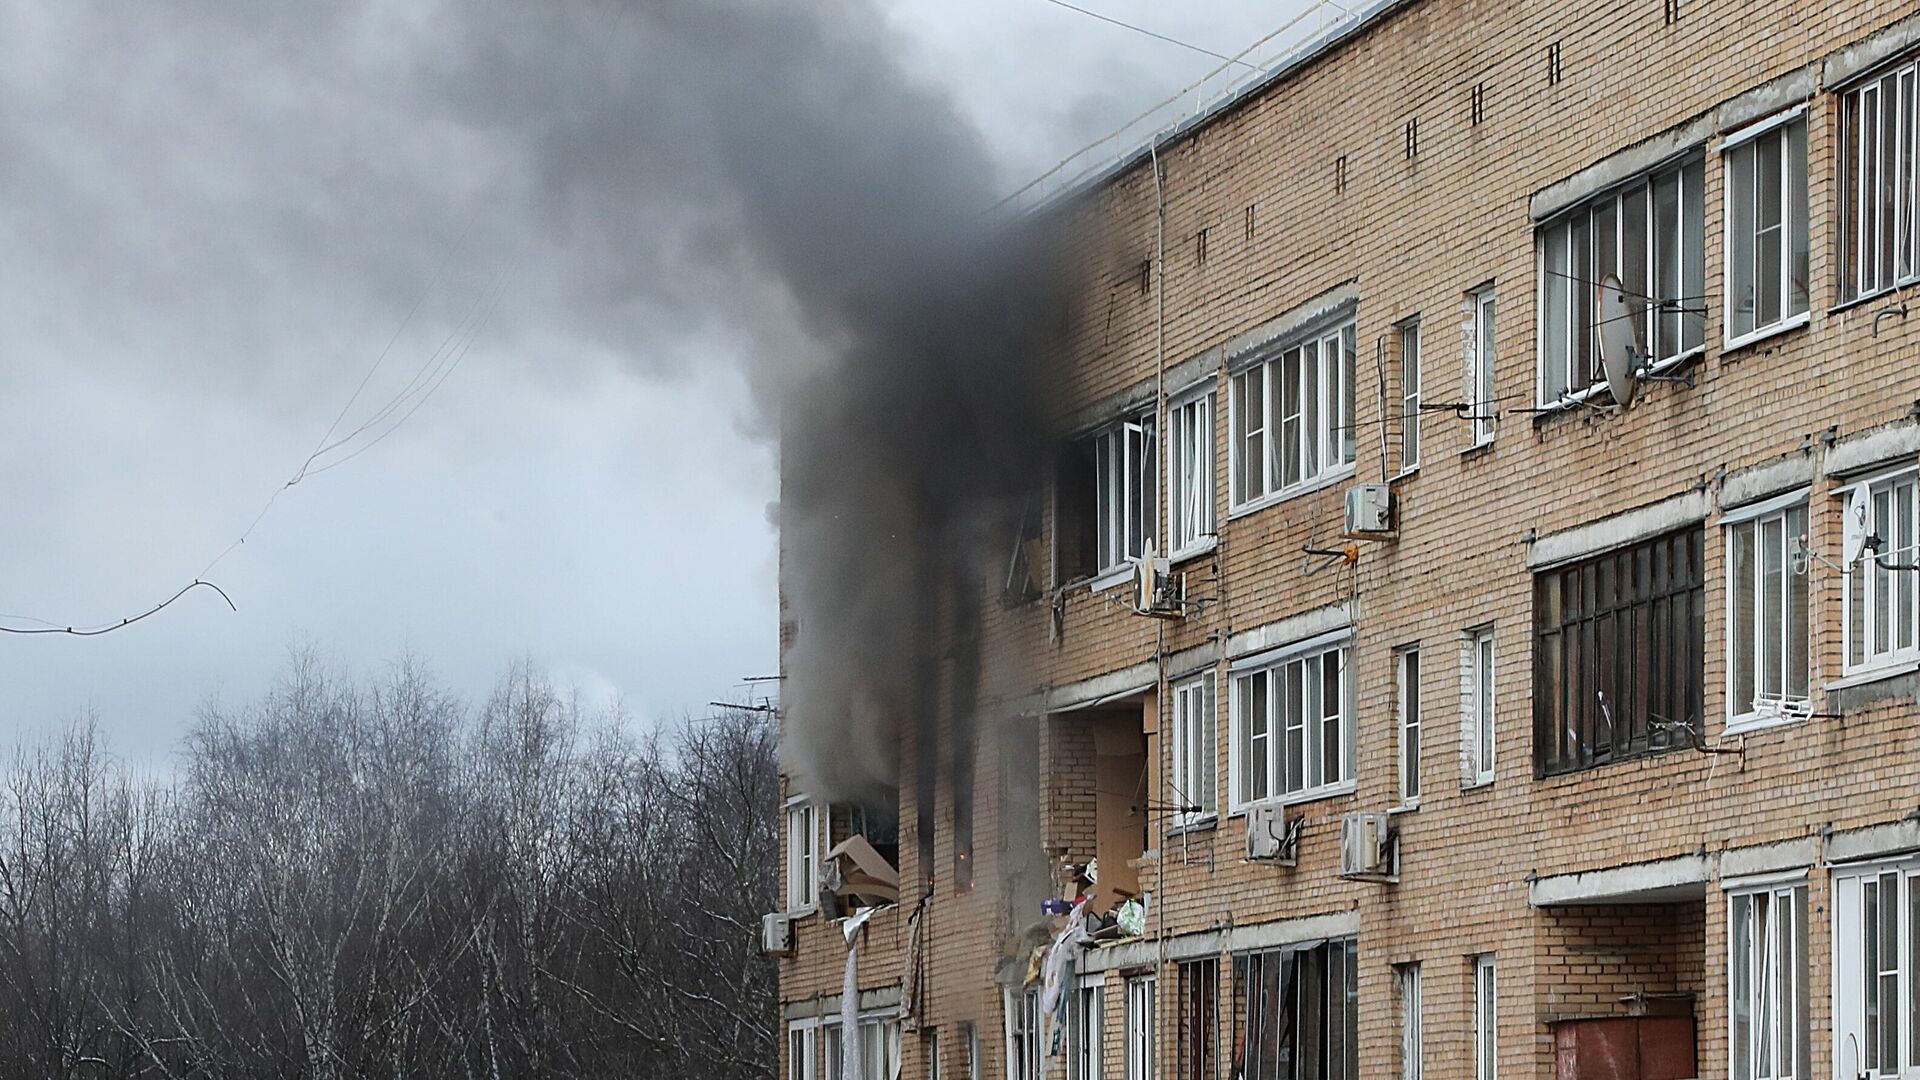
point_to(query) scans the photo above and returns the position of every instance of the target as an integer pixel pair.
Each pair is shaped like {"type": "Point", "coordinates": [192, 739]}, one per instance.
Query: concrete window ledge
{"type": "Point", "coordinates": [1664, 881]}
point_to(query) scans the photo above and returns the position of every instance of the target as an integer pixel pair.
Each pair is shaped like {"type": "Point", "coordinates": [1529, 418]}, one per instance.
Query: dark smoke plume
{"type": "Point", "coordinates": [771, 169]}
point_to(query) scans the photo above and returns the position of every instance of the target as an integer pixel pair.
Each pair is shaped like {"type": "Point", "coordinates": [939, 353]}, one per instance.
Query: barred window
{"type": "Point", "coordinates": [1617, 654]}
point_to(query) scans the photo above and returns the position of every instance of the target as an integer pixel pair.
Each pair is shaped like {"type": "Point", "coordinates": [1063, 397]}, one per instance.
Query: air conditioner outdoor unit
{"type": "Point", "coordinates": [1369, 847]}
{"type": "Point", "coordinates": [1369, 510]}
{"type": "Point", "coordinates": [1158, 592]}
{"type": "Point", "coordinates": [776, 934]}
{"type": "Point", "coordinates": [1272, 836]}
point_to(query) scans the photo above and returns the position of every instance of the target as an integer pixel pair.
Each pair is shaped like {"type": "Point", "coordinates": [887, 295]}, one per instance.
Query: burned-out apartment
{"type": "Point", "coordinates": [1472, 627]}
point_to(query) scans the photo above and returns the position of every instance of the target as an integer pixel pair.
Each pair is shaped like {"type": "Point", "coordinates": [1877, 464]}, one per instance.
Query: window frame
{"type": "Point", "coordinates": [1190, 760]}
{"type": "Point", "coordinates": [803, 898]}
{"type": "Point", "coordinates": [1086, 1028]}
{"type": "Point", "coordinates": [1139, 1038]}
{"type": "Point", "coordinates": [1479, 706]}
{"type": "Point", "coordinates": [1793, 227]}
{"type": "Point", "coordinates": [1198, 980]}
{"type": "Point", "coordinates": [1272, 665]}
{"type": "Point", "coordinates": [1413, 1039]}
{"type": "Point", "coordinates": [1677, 167]}
{"type": "Point", "coordinates": [1407, 748]}
{"type": "Point", "coordinates": [1781, 511]}
{"type": "Point", "coordinates": [1618, 641]}
{"type": "Point", "coordinates": [1861, 578]}
{"type": "Point", "coordinates": [804, 1062]}
{"type": "Point", "coordinates": [1023, 1020]}
{"type": "Point", "coordinates": [1332, 433]}
{"type": "Point", "coordinates": [1410, 361]}
{"type": "Point", "coordinates": [1126, 498]}
{"type": "Point", "coordinates": [833, 1039]}
{"type": "Point", "coordinates": [1850, 181]}
{"type": "Point", "coordinates": [1792, 890]}
{"type": "Point", "coordinates": [1193, 524]}
{"type": "Point", "coordinates": [1849, 983]}
{"type": "Point", "coordinates": [1486, 1017]}
{"type": "Point", "coordinates": [1285, 998]}
{"type": "Point", "coordinates": [1483, 357]}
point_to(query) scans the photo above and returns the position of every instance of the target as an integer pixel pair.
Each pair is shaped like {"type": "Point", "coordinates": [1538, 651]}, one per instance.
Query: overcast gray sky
{"type": "Point", "coordinates": [218, 217]}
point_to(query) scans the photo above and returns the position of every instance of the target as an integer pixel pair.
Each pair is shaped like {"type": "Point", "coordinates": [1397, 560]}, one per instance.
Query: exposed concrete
{"type": "Point", "coordinates": [1873, 841]}
{"type": "Point", "coordinates": [1330, 306]}
{"type": "Point", "coordinates": [1619, 530]}
{"type": "Point", "coordinates": [1192, 374]}
{"type": "Point", "coordinates": [1798, 854]}
{"type": "Point", "coordinates": [1198, 658]}
{"type": "Point", "coordinates": [1192, 946]}
{"type": "Point", "coordinates": [1768, 98]}
{"type": "Point", "coordinates": [1294, 628]}
{"type": "Point", "coordinates": [1682, 877]}
{"type": "Point", "coordinates": [885, 997]}
{"type": "Point", "coordinates": [1878, 447]}
{"type": "Point", "coordinates": [1859, 691]}
{"type": "Point", "coordinates": [1625, 165]}
{"type": "Point", "coordinates": [1765, 480]}
{"type": "Point", "coordinates": [1115, 406]}
{"type": "Point", "coordinates": [1114, 684]}
{"type": "Point", "coordinates": [1857, 58]}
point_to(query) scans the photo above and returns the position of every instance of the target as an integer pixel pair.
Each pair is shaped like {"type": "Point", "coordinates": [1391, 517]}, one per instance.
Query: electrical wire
{"type": "Point", "coordinates": [1151, 34]}
{"type": "Point", "coordinates": [108, 628]}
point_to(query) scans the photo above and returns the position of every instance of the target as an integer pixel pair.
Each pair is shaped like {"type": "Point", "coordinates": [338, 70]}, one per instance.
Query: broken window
{"type": "Point", "coordinates": [1190, 472]}
{"type": "Point", "coordinates": [1299, 1013]}
{"type": "Point", "coordinates": [1293, 726]}
{"type": "Point", "coordinates": [1105, 497]}
{"type": "Point", "coordinates": [1199, 1020]}
{"type": "Point", "coordinates": [1879, 194]}
{"type": "Point", "coordinates": [1618, 665]}
{"type": "Point", "coordinates": [1651, 235]}
{"type": "Point", "coordinates": [1766, 616]}
{"type": "Point", "coordinates": [1767, 995]}
{"type": "Point", "coordinates": [1026, 1056]}
{"type": "Point", "coordinates": [1413, 1048]}
{"type": "Point", "coordinates": [1293, 417]}
{"type": "Point", "coordinates": [1084, 1027]}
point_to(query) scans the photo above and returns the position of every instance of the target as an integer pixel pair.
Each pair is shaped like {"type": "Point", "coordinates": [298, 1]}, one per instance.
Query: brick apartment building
{"type": "Point", "coordinates": [1621, 749]}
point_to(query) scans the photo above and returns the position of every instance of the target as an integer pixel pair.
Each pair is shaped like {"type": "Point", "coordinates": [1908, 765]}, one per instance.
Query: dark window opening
{"type": "Point", "coordinates": [1618, 654]}
{"type": "Point", "coordinates": [1297, 1011]}
{"type": "Point", "coordinates": [1197, 1050]}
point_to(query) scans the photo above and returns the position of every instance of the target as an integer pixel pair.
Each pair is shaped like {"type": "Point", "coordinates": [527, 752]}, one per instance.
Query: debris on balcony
{"type": "Point", "coordinates": [858, 876]}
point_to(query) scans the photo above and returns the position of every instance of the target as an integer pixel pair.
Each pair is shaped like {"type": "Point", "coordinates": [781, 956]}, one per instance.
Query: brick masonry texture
{"type": "Point", "coordinates": [1413, 235]}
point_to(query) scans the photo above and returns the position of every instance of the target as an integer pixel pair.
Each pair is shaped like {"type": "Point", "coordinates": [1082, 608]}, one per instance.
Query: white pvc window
{"type": "Point", "coordinates": [1486, 1049]}
{"type": "Point", "coordinates": [1139, 1030]}
{"type": "Point", "coordinates": [1879, 189]}
{"type": "Point", "coordinates": [1483, 405]}
{"type": "Point", "coordinates": [876, 1044]}
{"type": "Point", "coordinates": [1413, 1048]}
{"type": "Point", "coordinates": [1767, 231]}
{"type": "Point", "coordinates": [803, 1056]}
{"type": "Point", "coordinates": [1084, 1029]}
{"type": "Point", "coordinates": [1881, 614]}
{"type": "Point", "coordinates": [1193, 750]}
{"type": "Point", "coordinates": [1409, 726]}
{"type": "Point", "coordinates": [1409, 396]}
{"type": "Point", "coordinates": [1650, 234]}
{"type": "Point", "coordinates": [1477, 707]}
{"type": "Point", "coordinates": [1767, 983]}
{"type": "Point", "coordinates": [1124, 492]}
{"type": "Point", "coordinates": [1293, 727]}
{"type": "Point", "coordinates": [803, 854]}
{"type": "Point", "coordinates": [1190, 473]}
{"type": "Point", "coordinates": [1293, 418]}
{"type": "Point", "coordinates": [1766, 617]}
{"type": "Point", "coordinates": [1876, 1012]}
{"type": "Point", "coordinates": [1026, 1057]}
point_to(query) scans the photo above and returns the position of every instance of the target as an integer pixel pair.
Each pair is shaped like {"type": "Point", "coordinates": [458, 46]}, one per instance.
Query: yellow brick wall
{"type": "Point", "coordinates": [1414, 235]}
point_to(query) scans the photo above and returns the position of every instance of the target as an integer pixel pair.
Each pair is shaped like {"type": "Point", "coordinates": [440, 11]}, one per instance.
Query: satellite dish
{"type": "Point", "coordinates": [1856, 526]}
{"type": "Point", "coordinates": [1620, 348]}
